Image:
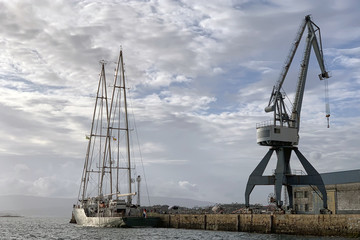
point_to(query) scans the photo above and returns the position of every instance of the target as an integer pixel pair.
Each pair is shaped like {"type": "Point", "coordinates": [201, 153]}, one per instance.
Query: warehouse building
{"type": "Point", "coordinates": [343, 194]}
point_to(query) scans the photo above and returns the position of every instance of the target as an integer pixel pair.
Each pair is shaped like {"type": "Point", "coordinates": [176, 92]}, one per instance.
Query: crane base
{"type": "Point", "coordinates": [283, 176]}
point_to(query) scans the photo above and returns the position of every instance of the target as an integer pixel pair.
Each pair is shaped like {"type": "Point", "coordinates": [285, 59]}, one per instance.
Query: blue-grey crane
{"type": "Point", "coordinates": [282, 134]}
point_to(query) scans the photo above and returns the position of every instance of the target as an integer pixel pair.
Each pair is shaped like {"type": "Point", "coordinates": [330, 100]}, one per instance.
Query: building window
{"type": "Point", "coordinates": [306, 194]}
{"type": "Point", "coordinates": [306, 207]}
{"type": "Point", "coordinates": [276, 130]}
{"type": "Point", "coordinates": [299, 194]}
{"type": "Point", "coordinates": [301, 207]}
{"type": "Point", "coordinates": [296, 207]}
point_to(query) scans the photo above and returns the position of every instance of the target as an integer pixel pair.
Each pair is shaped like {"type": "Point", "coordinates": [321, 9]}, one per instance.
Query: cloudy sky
{"type": "Point", "coordinates": [200, 74]}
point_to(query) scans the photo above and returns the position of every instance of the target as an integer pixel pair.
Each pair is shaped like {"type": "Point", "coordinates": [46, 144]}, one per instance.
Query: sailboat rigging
{"type": "Point", "coordinates": [106, 192]}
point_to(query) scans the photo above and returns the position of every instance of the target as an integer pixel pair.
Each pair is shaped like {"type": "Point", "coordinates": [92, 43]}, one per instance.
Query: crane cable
{"type": "Point", "coordinates": [327, 103]}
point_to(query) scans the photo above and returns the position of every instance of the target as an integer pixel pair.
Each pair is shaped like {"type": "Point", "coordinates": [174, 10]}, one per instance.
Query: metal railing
{"type": "Point", "coordinates": [293, 172]}
{"type": "Point", "coordinates": [265, 124]}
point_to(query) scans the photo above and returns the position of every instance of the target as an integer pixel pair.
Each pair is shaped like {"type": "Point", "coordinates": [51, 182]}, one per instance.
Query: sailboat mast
{"type": "Point", "coordinates": [85, 175]}
{"type": "Point", "coordinates": [126, 126]}
{"type": "Point", "coordinates": [118, 132]}
{"type": "Point", "coordinates": [118, 128]}
{"type": "Point", "coordinates": [107, 140]}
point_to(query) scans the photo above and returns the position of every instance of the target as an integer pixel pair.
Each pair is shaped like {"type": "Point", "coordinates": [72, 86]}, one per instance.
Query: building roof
{"type": "Point", "coordinates": [352, 176]}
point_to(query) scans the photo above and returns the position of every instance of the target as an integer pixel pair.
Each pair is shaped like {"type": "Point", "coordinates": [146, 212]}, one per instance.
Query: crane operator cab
{"type": "Point", "coordinates": [272, 135]}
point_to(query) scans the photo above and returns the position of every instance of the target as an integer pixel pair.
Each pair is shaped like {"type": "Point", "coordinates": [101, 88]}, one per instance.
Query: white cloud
{"type": "Point", "coordinates": [161, 79]}
{"type": "Point", "coordinates": [150, 147]}
{"type": "Point", "coordinates": [349, 62]}
{"type": "Point", "coordinates": [165, 161]}
{"type": "Point", "coordinates": [42, 186]}
{"type": "Point", "coordinates": [188, 186]}
{"type": "Point", "coordinates": [21, 168]}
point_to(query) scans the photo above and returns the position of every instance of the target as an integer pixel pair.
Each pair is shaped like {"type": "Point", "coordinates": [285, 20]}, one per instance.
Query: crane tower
{"type": "Point", "coordinates": [282, 133]}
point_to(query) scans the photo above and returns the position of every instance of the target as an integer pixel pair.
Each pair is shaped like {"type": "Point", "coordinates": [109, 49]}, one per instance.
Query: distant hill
{"type": "Point", "coordinates": [62, 207]}
{"type": "Point", "coordinates": [36, 206]}
{"type": "Point", "coordinates": [183, 202]}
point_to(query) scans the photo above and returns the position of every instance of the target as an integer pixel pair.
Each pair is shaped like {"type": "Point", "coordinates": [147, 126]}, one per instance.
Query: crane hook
{"type": "Point", "coordinates": [328, 120]}
{"type": "Point", "coordinates": [327, 102]}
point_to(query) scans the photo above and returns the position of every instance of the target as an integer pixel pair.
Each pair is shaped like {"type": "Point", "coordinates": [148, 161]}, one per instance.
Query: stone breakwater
{"type": "Point", "coordinates": [319, 225]}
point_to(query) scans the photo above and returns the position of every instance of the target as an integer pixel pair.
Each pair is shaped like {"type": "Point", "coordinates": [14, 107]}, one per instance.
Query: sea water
{"type": "Point", "coordinates": [60, 228]}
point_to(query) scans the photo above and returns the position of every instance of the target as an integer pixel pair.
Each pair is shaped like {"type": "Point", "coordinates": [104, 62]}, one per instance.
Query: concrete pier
{"type": "Point", "coordinates": [347, 225]}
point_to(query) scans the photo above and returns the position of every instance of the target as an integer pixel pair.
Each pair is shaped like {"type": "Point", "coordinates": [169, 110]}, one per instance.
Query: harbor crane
{"type": "Point", "coordinates": [282, 133]}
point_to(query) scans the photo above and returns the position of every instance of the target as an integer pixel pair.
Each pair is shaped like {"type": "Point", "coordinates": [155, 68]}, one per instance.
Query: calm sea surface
{"type": "Point", "coordinates": [59, 228]}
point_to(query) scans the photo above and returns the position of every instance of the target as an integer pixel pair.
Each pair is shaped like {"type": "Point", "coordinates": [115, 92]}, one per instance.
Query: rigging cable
{"type": "Point", "coordinates": [137, 138]}
{"type": "Point", "coordinates": [327, 103]}
{"type": "Point", "coordinates": [284, 93]}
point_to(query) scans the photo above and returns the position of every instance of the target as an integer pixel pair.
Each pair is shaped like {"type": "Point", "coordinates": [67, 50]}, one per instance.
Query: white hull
{"type": "Point", "coordinates": [83, 220]}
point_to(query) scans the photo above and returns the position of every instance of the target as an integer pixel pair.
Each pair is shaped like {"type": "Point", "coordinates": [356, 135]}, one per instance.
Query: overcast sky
{"type": "Point", "coordinates": [200, 74]}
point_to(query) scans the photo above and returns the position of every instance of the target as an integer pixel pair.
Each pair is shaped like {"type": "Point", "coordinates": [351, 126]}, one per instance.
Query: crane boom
{"type": "Point", "coordinates": [288, 61]}
{"type": "Point", "coordinates": [311, 41]}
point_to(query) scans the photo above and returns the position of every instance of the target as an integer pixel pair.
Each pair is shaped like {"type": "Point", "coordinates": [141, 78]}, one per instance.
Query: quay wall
{"type": "Point", "coordinates": [347, 225]}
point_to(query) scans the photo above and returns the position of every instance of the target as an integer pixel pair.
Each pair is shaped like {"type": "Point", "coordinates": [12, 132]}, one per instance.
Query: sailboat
{"type": "Point", "coordinates": [106, 192]}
